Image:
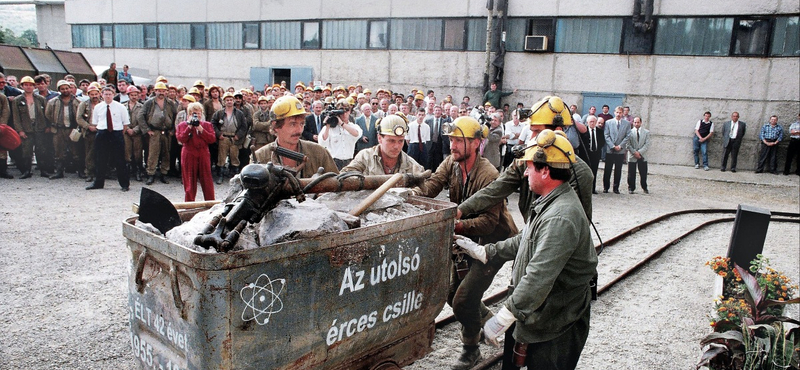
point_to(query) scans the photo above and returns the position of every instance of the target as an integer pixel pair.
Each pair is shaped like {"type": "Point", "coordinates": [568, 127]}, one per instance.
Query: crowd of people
{"type": "Point", "coordinates": [480, 153]}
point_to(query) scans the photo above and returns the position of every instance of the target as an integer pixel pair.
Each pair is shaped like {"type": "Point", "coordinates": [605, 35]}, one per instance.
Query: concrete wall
{"type": "Point", "coordinates": [51, 27]}
{"type": "Point", "coordinates": [670, 93]}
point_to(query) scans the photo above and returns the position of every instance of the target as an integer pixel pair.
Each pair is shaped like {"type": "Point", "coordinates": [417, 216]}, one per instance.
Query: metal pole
{"type": "Point", "coordinates": [488, 66]}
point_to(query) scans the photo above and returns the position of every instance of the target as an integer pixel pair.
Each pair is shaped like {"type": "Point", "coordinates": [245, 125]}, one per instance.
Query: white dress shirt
{"type": "Point", "coordinates": [340, 143]}
{"type": "Point", "coordinates": [413, 137]}
{"type": "Point", "coordinates": [119, 116]}
{"type": "Point", "coordinates": [512, 130]}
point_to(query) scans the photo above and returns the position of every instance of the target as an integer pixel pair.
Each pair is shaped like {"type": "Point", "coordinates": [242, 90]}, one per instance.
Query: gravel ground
{"type": "Point", "coordinates": [63, 263]}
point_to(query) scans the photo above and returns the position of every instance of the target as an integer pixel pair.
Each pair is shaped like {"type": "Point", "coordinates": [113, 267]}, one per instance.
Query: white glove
{"type": "Point", "coordinates": [495, 327]}
{"type": "Point", "coordinates": [473, 249]}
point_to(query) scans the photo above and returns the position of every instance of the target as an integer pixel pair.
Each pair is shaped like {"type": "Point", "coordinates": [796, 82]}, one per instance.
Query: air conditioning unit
{"type": "Point", "coordinates": [535, 43]}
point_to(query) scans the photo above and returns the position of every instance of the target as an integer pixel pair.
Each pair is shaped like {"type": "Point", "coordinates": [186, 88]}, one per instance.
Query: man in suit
{"type": "Point", "coordinates": [436, 145]}
{"type": "Point", "coordinates": [638, 142]}
{"type": "Point", "coordinates": [616, 135]}
{"type": "Point", "coordinates": [732, 134]}
{"type": "Point", "coordinates": [369, 136]}
{"type": "Point", "coordinates": [595, 145]}
{"type": "Point", "coordinates": [313, 123]}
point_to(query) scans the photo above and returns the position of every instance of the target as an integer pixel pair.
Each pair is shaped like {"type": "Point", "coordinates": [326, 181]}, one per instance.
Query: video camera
{"type": "Point", "coordinates": [195, 121]}
{"type": "Point", "coordinates": [331, 112]}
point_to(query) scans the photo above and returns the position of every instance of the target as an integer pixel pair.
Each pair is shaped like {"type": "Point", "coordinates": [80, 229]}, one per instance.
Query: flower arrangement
{"type": "Point", "coordinates": [749, 332]}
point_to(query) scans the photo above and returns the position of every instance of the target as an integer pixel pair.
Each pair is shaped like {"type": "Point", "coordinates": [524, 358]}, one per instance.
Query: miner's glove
{"type": "Point", "coordinates": [495, 327]}
{"type": "Point", "coordinates": [473, 249]}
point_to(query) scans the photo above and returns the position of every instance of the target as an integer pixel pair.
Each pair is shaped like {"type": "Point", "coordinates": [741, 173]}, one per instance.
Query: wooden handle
{"type": "Point", "coordinates": [184, 205]}
{"type": "Point", "coordinates": [376, 194]}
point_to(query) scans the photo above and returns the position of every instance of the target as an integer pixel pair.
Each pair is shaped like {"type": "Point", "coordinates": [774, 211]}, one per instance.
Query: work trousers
{"type": "Point", "coordinates": [792, 153]}
{"type": "Point", "coordinates": [110, 151]}
{"type": "Point", "coordinates": [159, 149]}
{"type": "Point", "coordinates": [225, 148]}
{"type": "Point", "coordinates": [563, 352]}
{"type": "Point", "coordinates": [133, 149]}
{"type": "Point", "coordinates": [196, 166]}
{"type": "Point", "coordinates": [61, 145]}
{"type": "Point", "coordinates": [41, 143]}
{"type": "Point", "coordinates": [632, 166]}
{"type": "Point", "coordinates": [615, 161]}
{"type": "Point", "coordinates": [88, 146]}
{"type": "Point", "coordinates": [465, 297]}
{"type": "Point", "coordinates": [733, 150]}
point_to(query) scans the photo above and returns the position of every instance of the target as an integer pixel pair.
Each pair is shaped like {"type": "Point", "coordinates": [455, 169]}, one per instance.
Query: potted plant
{"type": "Point", "coordinates": [749, 331]}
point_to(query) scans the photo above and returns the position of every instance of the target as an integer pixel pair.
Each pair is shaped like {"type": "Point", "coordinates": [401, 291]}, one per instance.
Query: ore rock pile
{"type": "Point", "coordinates": [292, 220]}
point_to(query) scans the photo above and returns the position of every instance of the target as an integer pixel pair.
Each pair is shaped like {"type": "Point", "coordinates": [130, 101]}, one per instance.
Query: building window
{"type": "Point", "coordinates": [85, 36]}
{"type": "Point", "coordinates": [476, 34]}
{"type": "Point", "coordinates": [786, 37]}
{"type": "Point", "coordinates": [199, 36]}
{"type": "Point", "coordinates": [251, 34]}
{"type": "Point", "coordinates": [227, 36]}
{"type": "Point", "coordinates": [129, 36]}
{"type": "Point", "coordinates": [174, 36]}
{"type": "Point", "coordinates": [588, 35]}
{"type": "Point", "coordinates": [416, 34]}
{"type": "Point", "coordinates": [693, 36]}
{"type": "Point", "coordinates": [750, 36]}
{"type": "Point", "coordinates": [311, 39]}
{"type": "Point", "coordinates": [150, 36]}
{"type": "Point", "coordinates": [516, 30]}
{"type": "Point", "coordinates": [454, 34]}
{"type": "Point", "coordinates": [106, 36]}
{"type": "Point", "coordinates": [280, 35]}
{"type": "Point", "coordinates": [635, 41]}
{"type": "Point", "coordinates": [378, 34]}
{"type": "Point", "coordinates": [344, 34]}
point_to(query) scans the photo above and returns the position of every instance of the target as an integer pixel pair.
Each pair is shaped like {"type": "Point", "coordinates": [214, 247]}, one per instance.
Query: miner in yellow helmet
{"type": "Point", "coordinates": [388, 156]}
{"type": "Point", "coordinates": [465, 172]}
{"type": "Point", "coordinates": [554, 264]}
{"type": "Point", "coordinates": [549, 113]}
{"type": "Point", "coordinates": [288, 120]}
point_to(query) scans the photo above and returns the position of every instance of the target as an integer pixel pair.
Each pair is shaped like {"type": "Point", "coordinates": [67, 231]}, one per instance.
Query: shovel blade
{"type": "Point", "coordinates": [157, 210]}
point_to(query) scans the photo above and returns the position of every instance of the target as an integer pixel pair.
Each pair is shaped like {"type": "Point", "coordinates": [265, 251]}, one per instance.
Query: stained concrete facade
{"type": "Point", "coordinates": [669, 92]}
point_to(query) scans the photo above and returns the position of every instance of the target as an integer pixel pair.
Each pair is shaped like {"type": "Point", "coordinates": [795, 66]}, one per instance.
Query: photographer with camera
{"type": "Point", "coordinates": [338, 134]}
{"type": "Point", "coordinates": [196, 136]}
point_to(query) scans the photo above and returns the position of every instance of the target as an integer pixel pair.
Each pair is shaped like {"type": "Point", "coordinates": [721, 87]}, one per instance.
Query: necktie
{"type": "Point", "coordinates": [594, 140]}
{"type": "Point", "coordinates": [637, 136]}
{"type": "Point", "coordinates": [419, 138]}
{"type": "Point", "coordinates": [109, 122]}
{"type": "Point", "coordinates": [319, 128]}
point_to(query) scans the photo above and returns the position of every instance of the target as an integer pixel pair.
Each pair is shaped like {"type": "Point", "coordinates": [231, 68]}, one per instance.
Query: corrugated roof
{"type": "Point", "coordinates": [74, 62]}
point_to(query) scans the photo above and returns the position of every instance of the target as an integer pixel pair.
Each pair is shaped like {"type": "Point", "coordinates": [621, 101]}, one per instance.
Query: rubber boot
{"type": "Point", "coordinates": [219, 176]}
{"type": "Point", "coordinates": [150, 180]}
{"type": "Point", "coordinates": [470, 355]}
{"type": "Point", "coordinates": [25, 170]}
{"type": "Point", "coordinates": [59, 172]}
{"type": "Point", "coordinates": [139, 171]}
{"type": "Point", "coordinates": [163, 178]}
{"type": "Point", "coordinates": [4, 169]}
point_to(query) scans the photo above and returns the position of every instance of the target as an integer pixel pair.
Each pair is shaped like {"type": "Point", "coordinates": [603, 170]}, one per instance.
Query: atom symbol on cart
{"type": "Point", "coordinates": [262, 299]}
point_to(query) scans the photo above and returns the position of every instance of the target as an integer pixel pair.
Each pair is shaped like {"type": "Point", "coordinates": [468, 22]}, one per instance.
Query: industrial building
{"type": "Point", "coordinates": [670, 63]}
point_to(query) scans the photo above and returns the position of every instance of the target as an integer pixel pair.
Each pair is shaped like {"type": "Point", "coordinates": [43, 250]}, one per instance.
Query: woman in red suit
{"type": "Point", "coordinates": [196, 135]}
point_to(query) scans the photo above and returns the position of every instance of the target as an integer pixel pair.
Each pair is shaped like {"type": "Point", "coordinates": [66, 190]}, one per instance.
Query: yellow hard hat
{"type": "Point", "coordinates": [393, 125]}
{"type": "Point", "coordinates": [190, 98]}
{"type": "Point", "coordinates": [27, 79]}
{"type": "Point", "coordinates": [551, 110]}
{"type": "Point", "coordinates": [466, 127]}
{"type": "Point", "coordinates": [262, 98]}
{"type": "Point", "coordinates": [161, 79]}
{"type": "Point", "coordinates": [160, 86]}
{"type": "Point", "coordinates": [228, 94]}
{"type": "Point", "coordinates": [93, 87]}
{"type": "Point", "coordinates": [419, 97]}
{"type": "Point", "coordinates": [367, 91]}
{"type": "Point", "coordinates": [199, 83]}
{"type": "Point", "coordinates": [350, 100]}
{"type": "Point", "coordinates": [286, 106]}
{"type": "Point", "coordinates": [194, 90]}
{"type": "Point", "coordinates": [551, 148]}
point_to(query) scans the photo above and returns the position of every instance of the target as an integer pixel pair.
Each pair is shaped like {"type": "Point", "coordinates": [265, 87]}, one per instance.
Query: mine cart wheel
{"type": "Point", "coordinates": [386, 366]}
